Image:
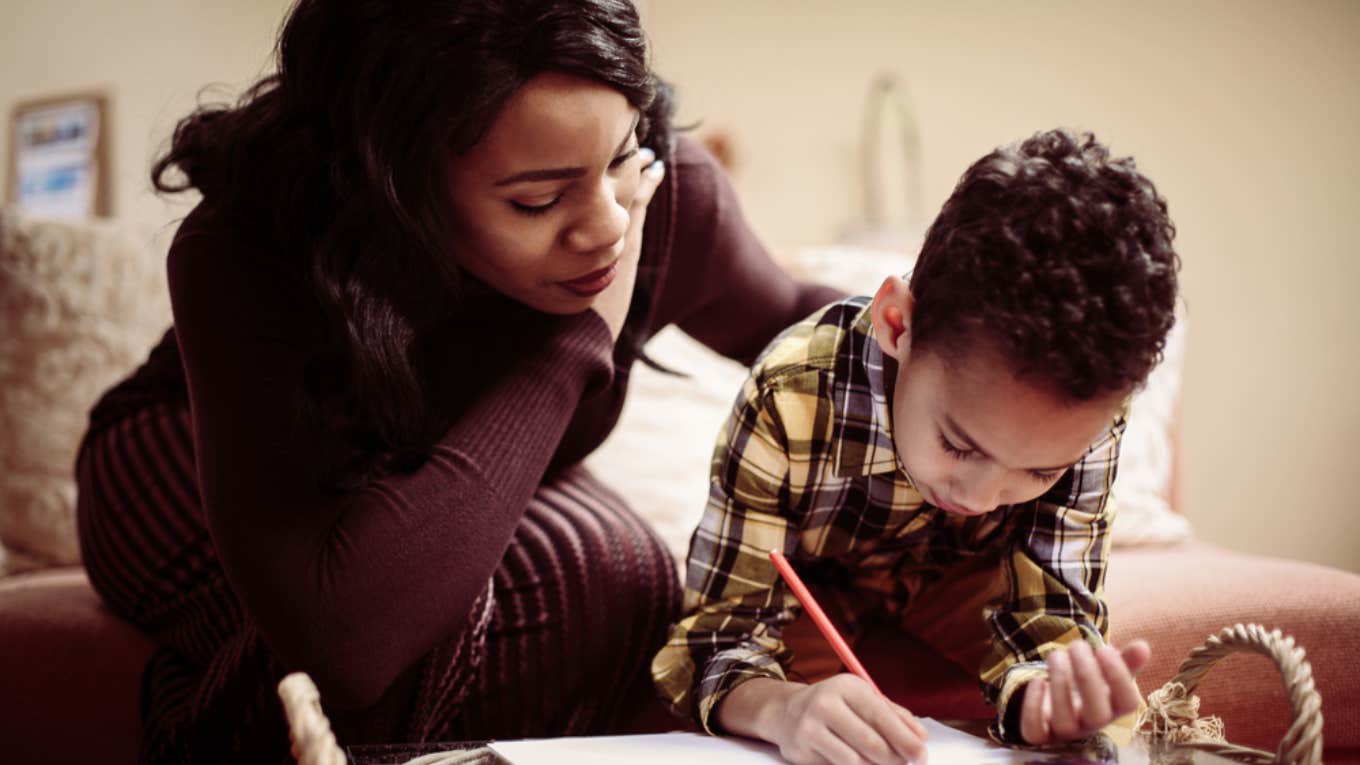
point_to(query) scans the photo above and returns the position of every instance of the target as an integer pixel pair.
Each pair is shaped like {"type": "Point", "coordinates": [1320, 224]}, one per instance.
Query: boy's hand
{"type": "Point", "coordinates": [843, 720]}
{"type": "Point", "coordinates": [1086, 689]}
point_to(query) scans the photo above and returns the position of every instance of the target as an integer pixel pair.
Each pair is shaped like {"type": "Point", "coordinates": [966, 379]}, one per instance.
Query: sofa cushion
{"type": "Point", "coordinates": [81, 304]}
{"type": "Point", "coordinates": [1176, 597]}
{"type": "Point", "coordinates": [72, 672]}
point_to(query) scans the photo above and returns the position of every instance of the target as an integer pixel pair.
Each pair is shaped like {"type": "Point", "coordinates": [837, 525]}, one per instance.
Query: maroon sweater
{"type": "Point", "coordinates": [356, 587]}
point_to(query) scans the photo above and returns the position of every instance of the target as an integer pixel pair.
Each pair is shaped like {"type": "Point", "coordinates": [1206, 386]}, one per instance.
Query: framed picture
{"type": "Point", "coordinates": [58, 165]}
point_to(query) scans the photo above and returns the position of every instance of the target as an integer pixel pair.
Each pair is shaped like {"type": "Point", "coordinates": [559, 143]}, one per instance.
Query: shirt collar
{"type": "Point", "coordinates": [860, 394]}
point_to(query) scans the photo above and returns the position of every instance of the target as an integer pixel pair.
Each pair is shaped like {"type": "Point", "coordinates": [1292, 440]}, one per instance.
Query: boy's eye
{"type": "Point", "coordinates": [953, 450]}
{"type": "Point", "coordinates": [959, 453]}
{"type": "Point", "coordinates": [535, 209]}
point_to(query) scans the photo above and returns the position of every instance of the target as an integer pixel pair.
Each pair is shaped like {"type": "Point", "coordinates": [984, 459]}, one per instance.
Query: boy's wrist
{"type": "Point", "coordinates": [755, 707]}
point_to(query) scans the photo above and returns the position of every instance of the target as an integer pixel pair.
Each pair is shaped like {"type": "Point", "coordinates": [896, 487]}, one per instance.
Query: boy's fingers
{"type": "Point", "coordinates": [1094, 692]}
{"type": "Point", "coordinates": [909, 740]}
{"type": "Point", "coordinates": [1062, 718]}
{"type": "Point", "coordinates": [885, 725]}
{"type": "Point", "coordinates": [1033, 723]}
{"type": "Point", "coordinates": [916, 725]}
{"type": "Point", "coordinates": [1136, 655]}
{"type": "Point", "coordinates": [833, 749]}
{"type": "Point", "coordinates": [1124, 696]}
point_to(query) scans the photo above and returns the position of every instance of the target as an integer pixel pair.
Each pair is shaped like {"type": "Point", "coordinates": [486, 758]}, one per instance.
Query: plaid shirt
{"type": "Point", "coordinates": [806, 465]}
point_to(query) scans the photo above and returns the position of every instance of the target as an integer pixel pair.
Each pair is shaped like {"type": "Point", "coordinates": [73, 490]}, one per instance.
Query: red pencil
{"type": "Point", "coordinates": [819, 618]}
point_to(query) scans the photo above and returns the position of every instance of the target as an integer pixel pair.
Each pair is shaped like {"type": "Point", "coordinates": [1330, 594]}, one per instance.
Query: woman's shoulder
{"type": "Point", "coordinates": [211, 238]}
{"type": "Point", "coordinates": [218, 252]}
{"type": "Point", "coordinates": [700, 178]}
{"type": "Point", "coordinates": [224, 273]}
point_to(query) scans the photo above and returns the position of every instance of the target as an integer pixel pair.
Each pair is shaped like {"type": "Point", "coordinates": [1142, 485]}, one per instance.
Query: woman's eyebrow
{"type": "Point", "coordinates": [565, 173]}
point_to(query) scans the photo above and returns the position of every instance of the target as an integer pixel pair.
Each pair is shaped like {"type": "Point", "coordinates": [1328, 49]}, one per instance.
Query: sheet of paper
{"type": "Point", "coordinates": [653, 749]}
{"type": "Point", "coordinates": [947, 747]}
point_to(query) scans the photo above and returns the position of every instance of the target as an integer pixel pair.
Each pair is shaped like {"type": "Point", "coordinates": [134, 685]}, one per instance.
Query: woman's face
{"type": "Point", "coordinates": [540, 203]}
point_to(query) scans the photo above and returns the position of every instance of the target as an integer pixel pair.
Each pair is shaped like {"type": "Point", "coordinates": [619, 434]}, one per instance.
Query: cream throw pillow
{"type": "Point", "coordinates": [658, 456]}
{"type": "Point", "coordinates": [81, 304]}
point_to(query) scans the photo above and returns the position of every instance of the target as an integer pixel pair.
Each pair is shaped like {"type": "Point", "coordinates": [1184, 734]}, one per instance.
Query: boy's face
{"type": "Point", "coordinates": [971, 435]}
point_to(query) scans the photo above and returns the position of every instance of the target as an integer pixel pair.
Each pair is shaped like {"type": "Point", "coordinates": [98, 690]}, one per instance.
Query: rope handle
{"type": "Point", "coordinates": [1172, 713]}
{"type": "Point", "coordinates": [308, 727]}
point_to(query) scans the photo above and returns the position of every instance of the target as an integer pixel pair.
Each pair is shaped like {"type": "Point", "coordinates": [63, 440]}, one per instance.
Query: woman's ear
{"type": "Point", "coordinates": [891, 310]}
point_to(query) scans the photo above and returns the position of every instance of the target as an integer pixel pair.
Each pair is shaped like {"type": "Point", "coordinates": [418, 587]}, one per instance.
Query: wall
{"type": "Point", "coordinates": [1247, 114]}
{"type": "Point", "coordinates": [152, 58]}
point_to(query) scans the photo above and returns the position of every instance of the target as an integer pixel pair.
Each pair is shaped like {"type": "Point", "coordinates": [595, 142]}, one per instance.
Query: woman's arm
{"type": "Point", "coordinates": [355, 587]}
{"type": "Point", "coordinates": [722, 287]}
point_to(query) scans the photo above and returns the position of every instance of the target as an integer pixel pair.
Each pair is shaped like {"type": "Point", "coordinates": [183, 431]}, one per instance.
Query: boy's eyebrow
{"type": "Point", "coordinates": [968, 441]}
{"type": "Point", "coordinates": [565, 173]}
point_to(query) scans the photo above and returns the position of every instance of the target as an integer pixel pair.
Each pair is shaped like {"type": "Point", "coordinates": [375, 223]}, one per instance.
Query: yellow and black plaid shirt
{"type": "Point", "coordinates": [806, 465]}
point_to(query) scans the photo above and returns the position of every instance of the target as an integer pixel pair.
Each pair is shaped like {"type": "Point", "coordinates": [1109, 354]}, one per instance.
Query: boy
{"type": "Point", "coordinates": [973, 415]}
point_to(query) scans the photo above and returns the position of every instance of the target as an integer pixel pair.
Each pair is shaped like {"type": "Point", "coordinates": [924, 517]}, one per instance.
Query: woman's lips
{"type": "Point", "coordinates": [594, 282]}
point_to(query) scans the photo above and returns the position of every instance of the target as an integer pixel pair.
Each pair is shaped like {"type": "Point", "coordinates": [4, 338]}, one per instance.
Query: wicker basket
{"type": "Point", "coordinates": [1172, 714]}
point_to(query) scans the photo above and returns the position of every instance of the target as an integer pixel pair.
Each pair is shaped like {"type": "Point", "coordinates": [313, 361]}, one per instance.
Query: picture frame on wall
{"type": "Point", "coordinates": [58, 161]}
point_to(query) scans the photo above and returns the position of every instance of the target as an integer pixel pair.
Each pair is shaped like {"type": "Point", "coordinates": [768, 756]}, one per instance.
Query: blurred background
{"type": "Point", "coordinates": [1246, 114]}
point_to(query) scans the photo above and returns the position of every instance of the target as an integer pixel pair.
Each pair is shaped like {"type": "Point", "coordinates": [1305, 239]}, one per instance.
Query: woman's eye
{"type": "Point", "coordinates": [624, 157]}
{"type": "Point", "coordinates": [1045, 477]}
{"type": "Point", "coordinates": [535, 209]}
{"type": "Point", "coordinates": [953, 450]}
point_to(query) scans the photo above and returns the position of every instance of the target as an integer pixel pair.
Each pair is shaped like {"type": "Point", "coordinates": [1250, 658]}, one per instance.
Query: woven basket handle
{"type": "Point", "coordinates": [310, 730]}
{"type": "Point", "coordinates": [1171, 711]}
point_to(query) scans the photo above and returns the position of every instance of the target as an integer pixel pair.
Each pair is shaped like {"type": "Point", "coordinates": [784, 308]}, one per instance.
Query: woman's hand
{"type": "Point", "coordinates": [1086, 690]}
{"type": "Point", "coordinates": [836, 721]}
{"type": "Point", "coordinates": [612, 303]}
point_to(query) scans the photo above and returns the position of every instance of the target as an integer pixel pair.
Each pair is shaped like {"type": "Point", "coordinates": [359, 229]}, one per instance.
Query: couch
{"type": "Point", "coordinates": [81, 304]}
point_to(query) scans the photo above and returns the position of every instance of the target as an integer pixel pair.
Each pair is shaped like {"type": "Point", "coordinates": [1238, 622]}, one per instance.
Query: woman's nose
{"type": "Point", "coordinates": [601, 224]}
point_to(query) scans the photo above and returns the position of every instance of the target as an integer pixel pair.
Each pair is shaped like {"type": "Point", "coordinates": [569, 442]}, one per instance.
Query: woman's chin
{"type": "Point", "coordinates": [560, 304]}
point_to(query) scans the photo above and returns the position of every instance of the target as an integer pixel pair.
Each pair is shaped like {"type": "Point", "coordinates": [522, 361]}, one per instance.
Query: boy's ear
{"type": "Point", "coordinates": [891, 309]}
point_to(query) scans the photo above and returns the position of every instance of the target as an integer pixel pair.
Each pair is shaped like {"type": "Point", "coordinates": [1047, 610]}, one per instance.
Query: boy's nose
{"type": "Point", "coordinates": [981, 490]}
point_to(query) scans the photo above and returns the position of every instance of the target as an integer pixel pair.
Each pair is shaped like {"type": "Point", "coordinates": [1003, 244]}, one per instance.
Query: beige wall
{"type": "Point", "coordinates": [152, 57]}
{"type": "Point", "coordinates": [1247, 114]}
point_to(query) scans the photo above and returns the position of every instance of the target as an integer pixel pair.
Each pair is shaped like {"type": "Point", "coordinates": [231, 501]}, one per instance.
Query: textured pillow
{"type": "Point", "coordinates": [81, 305]}
{"type": "Point", "coordinates": [1148, 453]}
{"type": "Point", "coordinates": [669, 488]}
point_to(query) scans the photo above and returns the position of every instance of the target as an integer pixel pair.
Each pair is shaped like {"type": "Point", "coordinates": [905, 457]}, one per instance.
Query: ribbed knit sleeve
{"type": "Point", "coordinates": [354, 587]}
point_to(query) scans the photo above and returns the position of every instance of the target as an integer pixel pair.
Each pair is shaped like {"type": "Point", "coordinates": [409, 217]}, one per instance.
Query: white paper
{"type": "Point", "coordinates": [946, 746]}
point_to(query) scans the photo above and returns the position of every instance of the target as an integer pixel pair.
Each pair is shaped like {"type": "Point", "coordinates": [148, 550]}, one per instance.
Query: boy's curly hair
{"type": "Point", "coordinates": [1059, 255]}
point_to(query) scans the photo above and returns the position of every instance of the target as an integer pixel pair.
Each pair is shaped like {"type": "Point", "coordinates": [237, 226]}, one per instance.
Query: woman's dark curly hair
{"type": "Point", "coordinates": [336, 159]}
{"type": "Point", "coordinates": [1059, 255]}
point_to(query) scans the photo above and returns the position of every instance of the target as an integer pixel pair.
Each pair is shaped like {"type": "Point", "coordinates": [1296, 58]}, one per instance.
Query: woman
{"type": "Point", "coordinates": [405, 309]}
